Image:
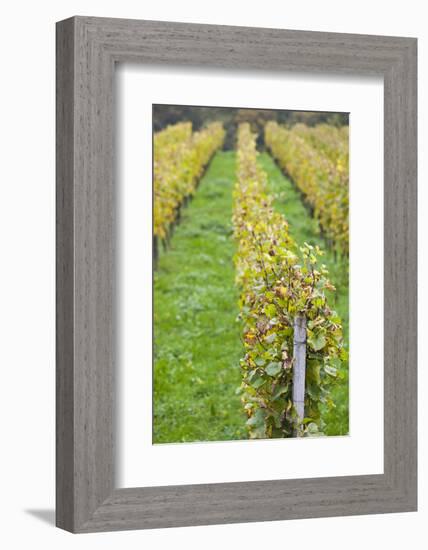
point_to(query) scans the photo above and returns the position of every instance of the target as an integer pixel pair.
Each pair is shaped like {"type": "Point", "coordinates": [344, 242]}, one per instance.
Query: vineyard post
{"type": "Point", "coordinates": [299, 368]}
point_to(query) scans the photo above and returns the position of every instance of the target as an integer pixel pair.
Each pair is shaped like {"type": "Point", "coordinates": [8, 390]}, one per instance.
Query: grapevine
{"type": "Point", "coordinates": [279, 280]}
{"type": "Point", "coordinates": [180, 158]}
{"type": "Point", "coordinates": [323, 182]}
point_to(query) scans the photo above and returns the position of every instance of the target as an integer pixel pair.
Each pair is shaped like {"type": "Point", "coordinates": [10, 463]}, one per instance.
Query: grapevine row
{"type": "Point", "coordinates": [329, 140]}
{"type": "Point", "coordinates": [277, 281]}
{"type": "Point", "coordinates": [323, 182]}
{"type": "Point", "coordinates": [180, 158]}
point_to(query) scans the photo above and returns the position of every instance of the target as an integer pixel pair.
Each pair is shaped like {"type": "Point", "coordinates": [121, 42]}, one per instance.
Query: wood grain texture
{"type": "Point", "coordinates": [87, 50]}
{"type": "Point", "coordinates": [64, 276]}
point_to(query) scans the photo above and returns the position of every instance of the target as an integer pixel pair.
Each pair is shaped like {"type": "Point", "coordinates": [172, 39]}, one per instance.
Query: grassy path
{"type": "Point", "coordinates": [303, 227]}
{"type": "Point", "coordinates": [197, 343]}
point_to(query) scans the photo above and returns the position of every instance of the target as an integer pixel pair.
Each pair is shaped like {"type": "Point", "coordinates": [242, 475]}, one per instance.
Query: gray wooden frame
{"type": "Point", "coordinates": [87, 50]}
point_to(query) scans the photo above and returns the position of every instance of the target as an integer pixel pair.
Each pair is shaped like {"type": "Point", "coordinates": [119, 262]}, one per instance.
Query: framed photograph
{"type": "Point", "coordinates": [236, 274]}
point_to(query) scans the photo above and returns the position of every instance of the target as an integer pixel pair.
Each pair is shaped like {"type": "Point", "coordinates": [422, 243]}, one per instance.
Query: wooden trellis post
{"type": "Point", "coordinates": [299, 370]}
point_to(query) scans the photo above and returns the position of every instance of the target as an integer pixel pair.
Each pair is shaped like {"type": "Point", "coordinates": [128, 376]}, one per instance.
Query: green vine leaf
{"type": "Point", "coordinates": [317, 341]}
{"type": "Point", "coordinates": [273, 368]}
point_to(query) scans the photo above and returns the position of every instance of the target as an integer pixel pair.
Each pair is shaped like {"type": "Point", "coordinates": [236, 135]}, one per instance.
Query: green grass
{"type": "Point", "coordinates": [197, 342]}
{"type": "Point", "coordinates": [303, 227]}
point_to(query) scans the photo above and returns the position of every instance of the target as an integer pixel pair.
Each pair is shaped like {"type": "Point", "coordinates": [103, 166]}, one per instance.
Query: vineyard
{"type": "Point", "coordinates": [251, 283]}
{"type": "Point", "coordinates": [319, 167]}
{"type": "Point", "coordinates": [180, 157]}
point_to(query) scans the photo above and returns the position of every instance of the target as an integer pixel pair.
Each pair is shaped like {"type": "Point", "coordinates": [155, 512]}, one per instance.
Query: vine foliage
{"type": "Point", "coordinates": [180, 158]}
{"type": "Point", "coordinates": [278, 281]}
{"type": "Point", "coordinates": [322, 178]}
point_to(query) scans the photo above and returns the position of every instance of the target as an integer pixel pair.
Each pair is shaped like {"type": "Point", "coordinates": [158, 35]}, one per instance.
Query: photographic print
{"type": "Point", "coordinates": [250, 271]}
